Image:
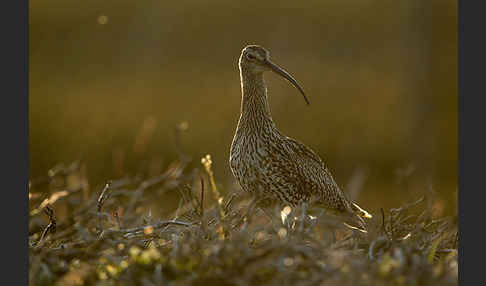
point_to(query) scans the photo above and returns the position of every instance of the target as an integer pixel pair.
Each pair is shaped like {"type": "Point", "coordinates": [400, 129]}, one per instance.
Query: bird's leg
{"type": "Point", "coordinates": [251, 206]}
{"type": "Point", "coordinates": [267, 214]}
{"type": "Point", "coordinates": [302, 218]}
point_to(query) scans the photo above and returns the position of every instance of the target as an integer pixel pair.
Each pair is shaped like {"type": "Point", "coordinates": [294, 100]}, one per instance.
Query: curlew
{"type": "Point", "coordinates": [271, 166]}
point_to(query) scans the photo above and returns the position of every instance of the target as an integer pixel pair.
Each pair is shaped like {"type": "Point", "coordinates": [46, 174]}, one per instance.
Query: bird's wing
{"type": "Point", "coordinates": [312, 170]}
{"type": "Point", "coordinates": [329, 193]}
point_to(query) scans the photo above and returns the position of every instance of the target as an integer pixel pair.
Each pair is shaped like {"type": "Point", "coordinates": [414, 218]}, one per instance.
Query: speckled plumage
{"type": "Point", "coordinates": [269, 164]}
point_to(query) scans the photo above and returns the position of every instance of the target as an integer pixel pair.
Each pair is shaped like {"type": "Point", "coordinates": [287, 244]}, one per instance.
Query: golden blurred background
{"type": "Point", "coordinates": [110, 81]}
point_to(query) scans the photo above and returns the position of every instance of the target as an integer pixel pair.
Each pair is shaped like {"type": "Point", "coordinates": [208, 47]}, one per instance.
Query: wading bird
{"type": "Point", "coordinates": [270, 165]}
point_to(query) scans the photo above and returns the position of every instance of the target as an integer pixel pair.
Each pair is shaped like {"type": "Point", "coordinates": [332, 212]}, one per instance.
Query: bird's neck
{"type": "Point", "coordinates": [254, 102]}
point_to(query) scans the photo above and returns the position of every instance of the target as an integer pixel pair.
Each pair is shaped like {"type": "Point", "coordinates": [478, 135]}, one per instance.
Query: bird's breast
{"type": "Point", "coordinates": [247, 156]}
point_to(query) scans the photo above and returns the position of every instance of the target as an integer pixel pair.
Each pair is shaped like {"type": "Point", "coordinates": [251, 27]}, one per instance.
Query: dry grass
{"type": "Point", "coordinates": [110, 237]}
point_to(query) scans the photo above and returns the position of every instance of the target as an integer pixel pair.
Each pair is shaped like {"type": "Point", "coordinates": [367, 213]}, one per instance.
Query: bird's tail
{"type": "Point", "coordinates": [355, 218]}
{"type": "Point", "coordinates": [360, 212]}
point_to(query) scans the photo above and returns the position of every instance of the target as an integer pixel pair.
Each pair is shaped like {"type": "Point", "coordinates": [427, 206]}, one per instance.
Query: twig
{"type": "Point", "coordinates": [176, 215]}
{"type": "Point", "coordinates": [202, 196]}
{"type": "Point", "coordinates": [381, 241]}
{"type": "Point", "coordinates": [456, 239]}
{"type": "Point", "coordinates": [147, 242]}
{"type": "Point", "coordinates": [227, 206]}
{"type": "Point", "coordinates": [117, 217]}
{"type": "Point", "coordinates": [158, 225]}
{"type": "Point", "coordinates": [206, 162]}
{"type": "Point", "coordinates": [104, 196]}
{"type": "Point", "coordinates": [407, 206]}
{"type": "Point", "coordinates": [51, 227]}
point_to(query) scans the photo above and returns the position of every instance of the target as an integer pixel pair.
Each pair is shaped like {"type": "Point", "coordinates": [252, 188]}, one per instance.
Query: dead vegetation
{"type": "Point", "coordinates": [110, 237]}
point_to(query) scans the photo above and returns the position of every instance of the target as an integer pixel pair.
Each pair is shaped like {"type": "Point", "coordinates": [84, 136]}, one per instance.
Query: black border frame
{"type": "Point", "coordinates": [471, 63]}
{"type": "Point", "coordinates": [15, 123]}
{"type": "Point", "coordinates": [15, 141]}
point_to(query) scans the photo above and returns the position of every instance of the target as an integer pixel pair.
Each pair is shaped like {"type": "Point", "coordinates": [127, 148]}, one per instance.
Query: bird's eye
{"type": "Point", "coordinates": [250, 56]}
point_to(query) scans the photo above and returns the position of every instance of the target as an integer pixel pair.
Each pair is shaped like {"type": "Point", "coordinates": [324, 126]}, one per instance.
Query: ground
{"type": "Point", "coordinates": [114, 235]}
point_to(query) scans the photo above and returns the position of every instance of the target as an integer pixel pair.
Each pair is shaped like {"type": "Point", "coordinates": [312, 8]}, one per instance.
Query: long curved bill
{"type": "Point", "coordinates": [280, 71]}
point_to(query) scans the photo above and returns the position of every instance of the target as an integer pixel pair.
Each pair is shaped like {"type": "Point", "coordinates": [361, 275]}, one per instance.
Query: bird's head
{"type": "Point", "coordinates": [256, 59]}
